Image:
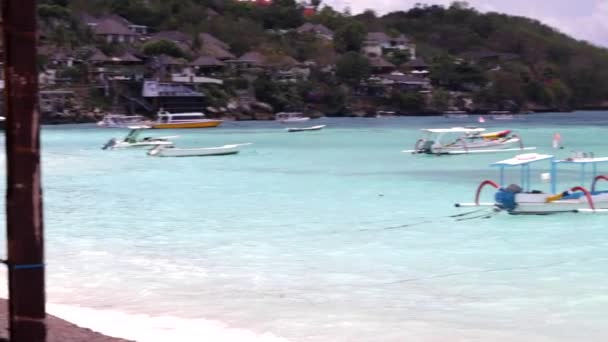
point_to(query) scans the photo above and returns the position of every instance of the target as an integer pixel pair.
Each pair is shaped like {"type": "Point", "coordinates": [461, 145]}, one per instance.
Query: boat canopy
{"type": "Point", "coordinates": [525, 160]}
{"type": "Point", "coordinates": [454, 130]}
{"type": "Point", "coordinates": [582, 164]}
{"type": "Point", "coordinates": [522, 159]}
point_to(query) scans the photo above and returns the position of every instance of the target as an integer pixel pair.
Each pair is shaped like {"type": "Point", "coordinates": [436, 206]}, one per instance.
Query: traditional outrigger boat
{"type": "Point", "coordinates": [132, 140]}
{"type": "Point", "coordinates": [465, 140]}
{"type": "Point", "coordinates": [170, 151]}
{"type": "Point", "coordinates": [305, 129]}
{"type": "Point", "coordinates": [521, 199]}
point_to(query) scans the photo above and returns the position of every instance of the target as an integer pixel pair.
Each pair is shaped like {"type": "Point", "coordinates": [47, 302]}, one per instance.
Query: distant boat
{"type": "Point", "coordinates": [502, 117]}
{"type": "Point", "coordinates": [132, 140]}
{"type": "Point", "coordinates": [168, 120]}
{"type": "Point", "coordinates": [305, 129]}
{"type": "Point", "coordinates": [385, 114]}
{"type": "Point", "coordinates": [465, 140]}
{"type": "Point", "coordinates": [122, 121]}
{"type": "Point", "coordinates": [287, 117]}
{"type": "Point", "coordinates": [481, 119]}
{"type": "Point", "coordinates": [166, 151]}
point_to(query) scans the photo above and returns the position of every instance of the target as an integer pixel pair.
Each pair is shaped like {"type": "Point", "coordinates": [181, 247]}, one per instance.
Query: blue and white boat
{"type": "Point", "coordinates": [519, 199]}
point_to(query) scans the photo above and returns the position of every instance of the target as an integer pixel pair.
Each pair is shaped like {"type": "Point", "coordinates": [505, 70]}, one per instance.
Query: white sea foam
{"type": "Point", "coordinates": [144, 328]}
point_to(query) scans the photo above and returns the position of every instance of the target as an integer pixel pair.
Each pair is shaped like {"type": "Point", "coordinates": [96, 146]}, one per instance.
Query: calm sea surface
{"type": "Point", "coordinates": [319, 236]}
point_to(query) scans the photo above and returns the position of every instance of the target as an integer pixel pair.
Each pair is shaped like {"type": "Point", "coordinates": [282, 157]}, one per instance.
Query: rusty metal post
{"type": "Point", "coordinates": [24, 196]}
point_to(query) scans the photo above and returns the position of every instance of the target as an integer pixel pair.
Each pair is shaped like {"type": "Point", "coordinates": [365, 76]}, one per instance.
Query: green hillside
{"type": "Point", "coordinates": [498, 61]}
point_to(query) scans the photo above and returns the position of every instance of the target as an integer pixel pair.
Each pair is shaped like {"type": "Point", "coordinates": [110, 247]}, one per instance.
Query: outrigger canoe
{"type": "Point", "coordinates": [467, 140]}
{"type": "Point", "coordinates": [521, 199]}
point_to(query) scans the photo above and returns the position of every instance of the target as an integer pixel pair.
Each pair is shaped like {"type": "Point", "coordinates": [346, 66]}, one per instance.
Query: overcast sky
{"type": "Point", "coordinates": [583, 19]}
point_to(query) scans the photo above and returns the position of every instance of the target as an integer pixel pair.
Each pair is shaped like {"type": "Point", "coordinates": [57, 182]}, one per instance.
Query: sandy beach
{"type": "Point", "coordinates": [58, 329]}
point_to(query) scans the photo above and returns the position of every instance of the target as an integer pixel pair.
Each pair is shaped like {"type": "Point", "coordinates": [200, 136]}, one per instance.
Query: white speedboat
{"type": "Point", "coordinates": [305, 129]}
{"type": "Point", "coordinates": [465, 140]}
{"type": "Point", "coordinates": [168, 151]}
{"type": "Point", "coordinates": [521, 199]}
{"type": "Point", "coordinates": [122, 121]}
{"type": "Point", "coordinates": [288, 117]}
{"type": "Point", "coordinates": [132, 140]}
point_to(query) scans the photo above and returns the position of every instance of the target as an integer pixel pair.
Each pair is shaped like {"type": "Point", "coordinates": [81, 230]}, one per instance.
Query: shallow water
{"type": "Point", "coordinates": [319, 236]}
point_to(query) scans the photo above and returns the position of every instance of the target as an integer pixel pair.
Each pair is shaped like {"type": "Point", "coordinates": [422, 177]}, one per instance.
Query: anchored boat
{"type": "Point", "coordinates": [288, 117]}
{"type": "Point", "coordinates": [122, 121]}
{"type": "Point", "coordinates": [184, 120]}
{"type": "Point", "coordinates": [519, 199]}
{"type": "Point", "coordinates": [132, 140]}
{"type": "Point", "coordinates": [168, 151]}
{"type": "Point", "coordinates": [305, 129]}
{"type": "Point", "coordinates": [465, 140]}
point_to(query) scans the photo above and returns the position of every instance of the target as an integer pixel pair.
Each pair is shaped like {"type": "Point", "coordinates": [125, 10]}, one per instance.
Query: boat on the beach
{"type": "Point", "coordinates": [466, 140]}
{"type": "Point", "coordinates": [305, 129]}
{"type": "Point", "coordinates": [170, 151]}
{"type": "Point", "coordinates": [166, 120]}
{"type": "Point", "coordinates": [122, 121]}
{"type": "Point", "coordinates": [520, 199]}
{"type": "Point", "coordinates": [289, 117]}
{"type": "Point", "coordinates": [132, 140]}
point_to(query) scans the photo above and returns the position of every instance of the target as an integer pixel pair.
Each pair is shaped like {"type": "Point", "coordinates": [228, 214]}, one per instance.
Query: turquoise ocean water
{"type": "Point", "coordinates": [320, 236]}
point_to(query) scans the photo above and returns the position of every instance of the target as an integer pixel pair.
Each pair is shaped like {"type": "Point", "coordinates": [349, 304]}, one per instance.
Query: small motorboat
{"type": "Point", "coordinates": [132, 140]}
{"type": "Point", "coordinates": [465, 140]}
{"type": "Point", "coordinates": [305, 129]}
{"type": "Point", "coordinates": [520, 199]}
{"type": "Point", "coordinates": [289, 117]}
{"type": "Point", "coordinates": [122, 121]}
{"type": "Point", "coordinates": [171, 151]}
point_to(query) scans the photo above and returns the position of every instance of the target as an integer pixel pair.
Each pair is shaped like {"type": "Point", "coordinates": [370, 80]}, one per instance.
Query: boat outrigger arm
{"type": "Point", "coordinates": [521, 199]}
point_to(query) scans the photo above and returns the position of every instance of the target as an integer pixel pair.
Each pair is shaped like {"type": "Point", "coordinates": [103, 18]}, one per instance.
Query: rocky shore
{"type": "Point", "coordinates": [58, 329]}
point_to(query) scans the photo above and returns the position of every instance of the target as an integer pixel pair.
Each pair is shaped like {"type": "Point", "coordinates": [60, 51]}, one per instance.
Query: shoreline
{"type": "Point", "coordinates": [67, 121]}
{"type": "Point", "coordinates": [58, 330]}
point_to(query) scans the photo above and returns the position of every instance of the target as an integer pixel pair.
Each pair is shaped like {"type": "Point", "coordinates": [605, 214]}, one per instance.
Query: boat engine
{"type": "Point", "coordinates": [111, 143]}
{"type": "Point", "coordinates": [506, 197]}
{"type": "Point", "coordinates": [424, 146]}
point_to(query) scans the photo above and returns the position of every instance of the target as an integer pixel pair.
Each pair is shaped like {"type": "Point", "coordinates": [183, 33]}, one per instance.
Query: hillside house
{"type": "Point", "coordinates": [318, 30]}
{"type": "Point", "coordinates": [174, 97]}
{"type": "Point", "coordinates": [93, 22]}
{"type": "Point", "coordinates": [417, 67]}
{"type": "Point", "coordinates": [377, 44]}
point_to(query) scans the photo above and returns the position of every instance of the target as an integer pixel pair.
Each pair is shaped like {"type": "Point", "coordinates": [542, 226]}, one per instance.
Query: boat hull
{"type": "Point", "coordinates": [176, 125]}
{"type": "Point", "coordinates": [489, 146]}
{"type": "Point", "coordinates": [536, 204]}
{"type": "Point", "coordinates": [196, 152]}
{"type": "Point", "coordinates": [305, 129]}
{"type": "Point", "coordinates": [292, 120]}
{"type": "Point", "coordinates": [123, 145]}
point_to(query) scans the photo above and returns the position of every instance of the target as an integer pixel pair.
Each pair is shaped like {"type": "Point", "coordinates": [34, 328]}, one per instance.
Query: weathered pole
{"type": "Point", "coordinates": [24, 196]}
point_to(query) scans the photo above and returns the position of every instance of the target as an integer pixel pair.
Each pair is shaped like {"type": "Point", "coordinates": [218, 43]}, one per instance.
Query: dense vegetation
{"type": "Point", "coordinates": [500, 61]}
